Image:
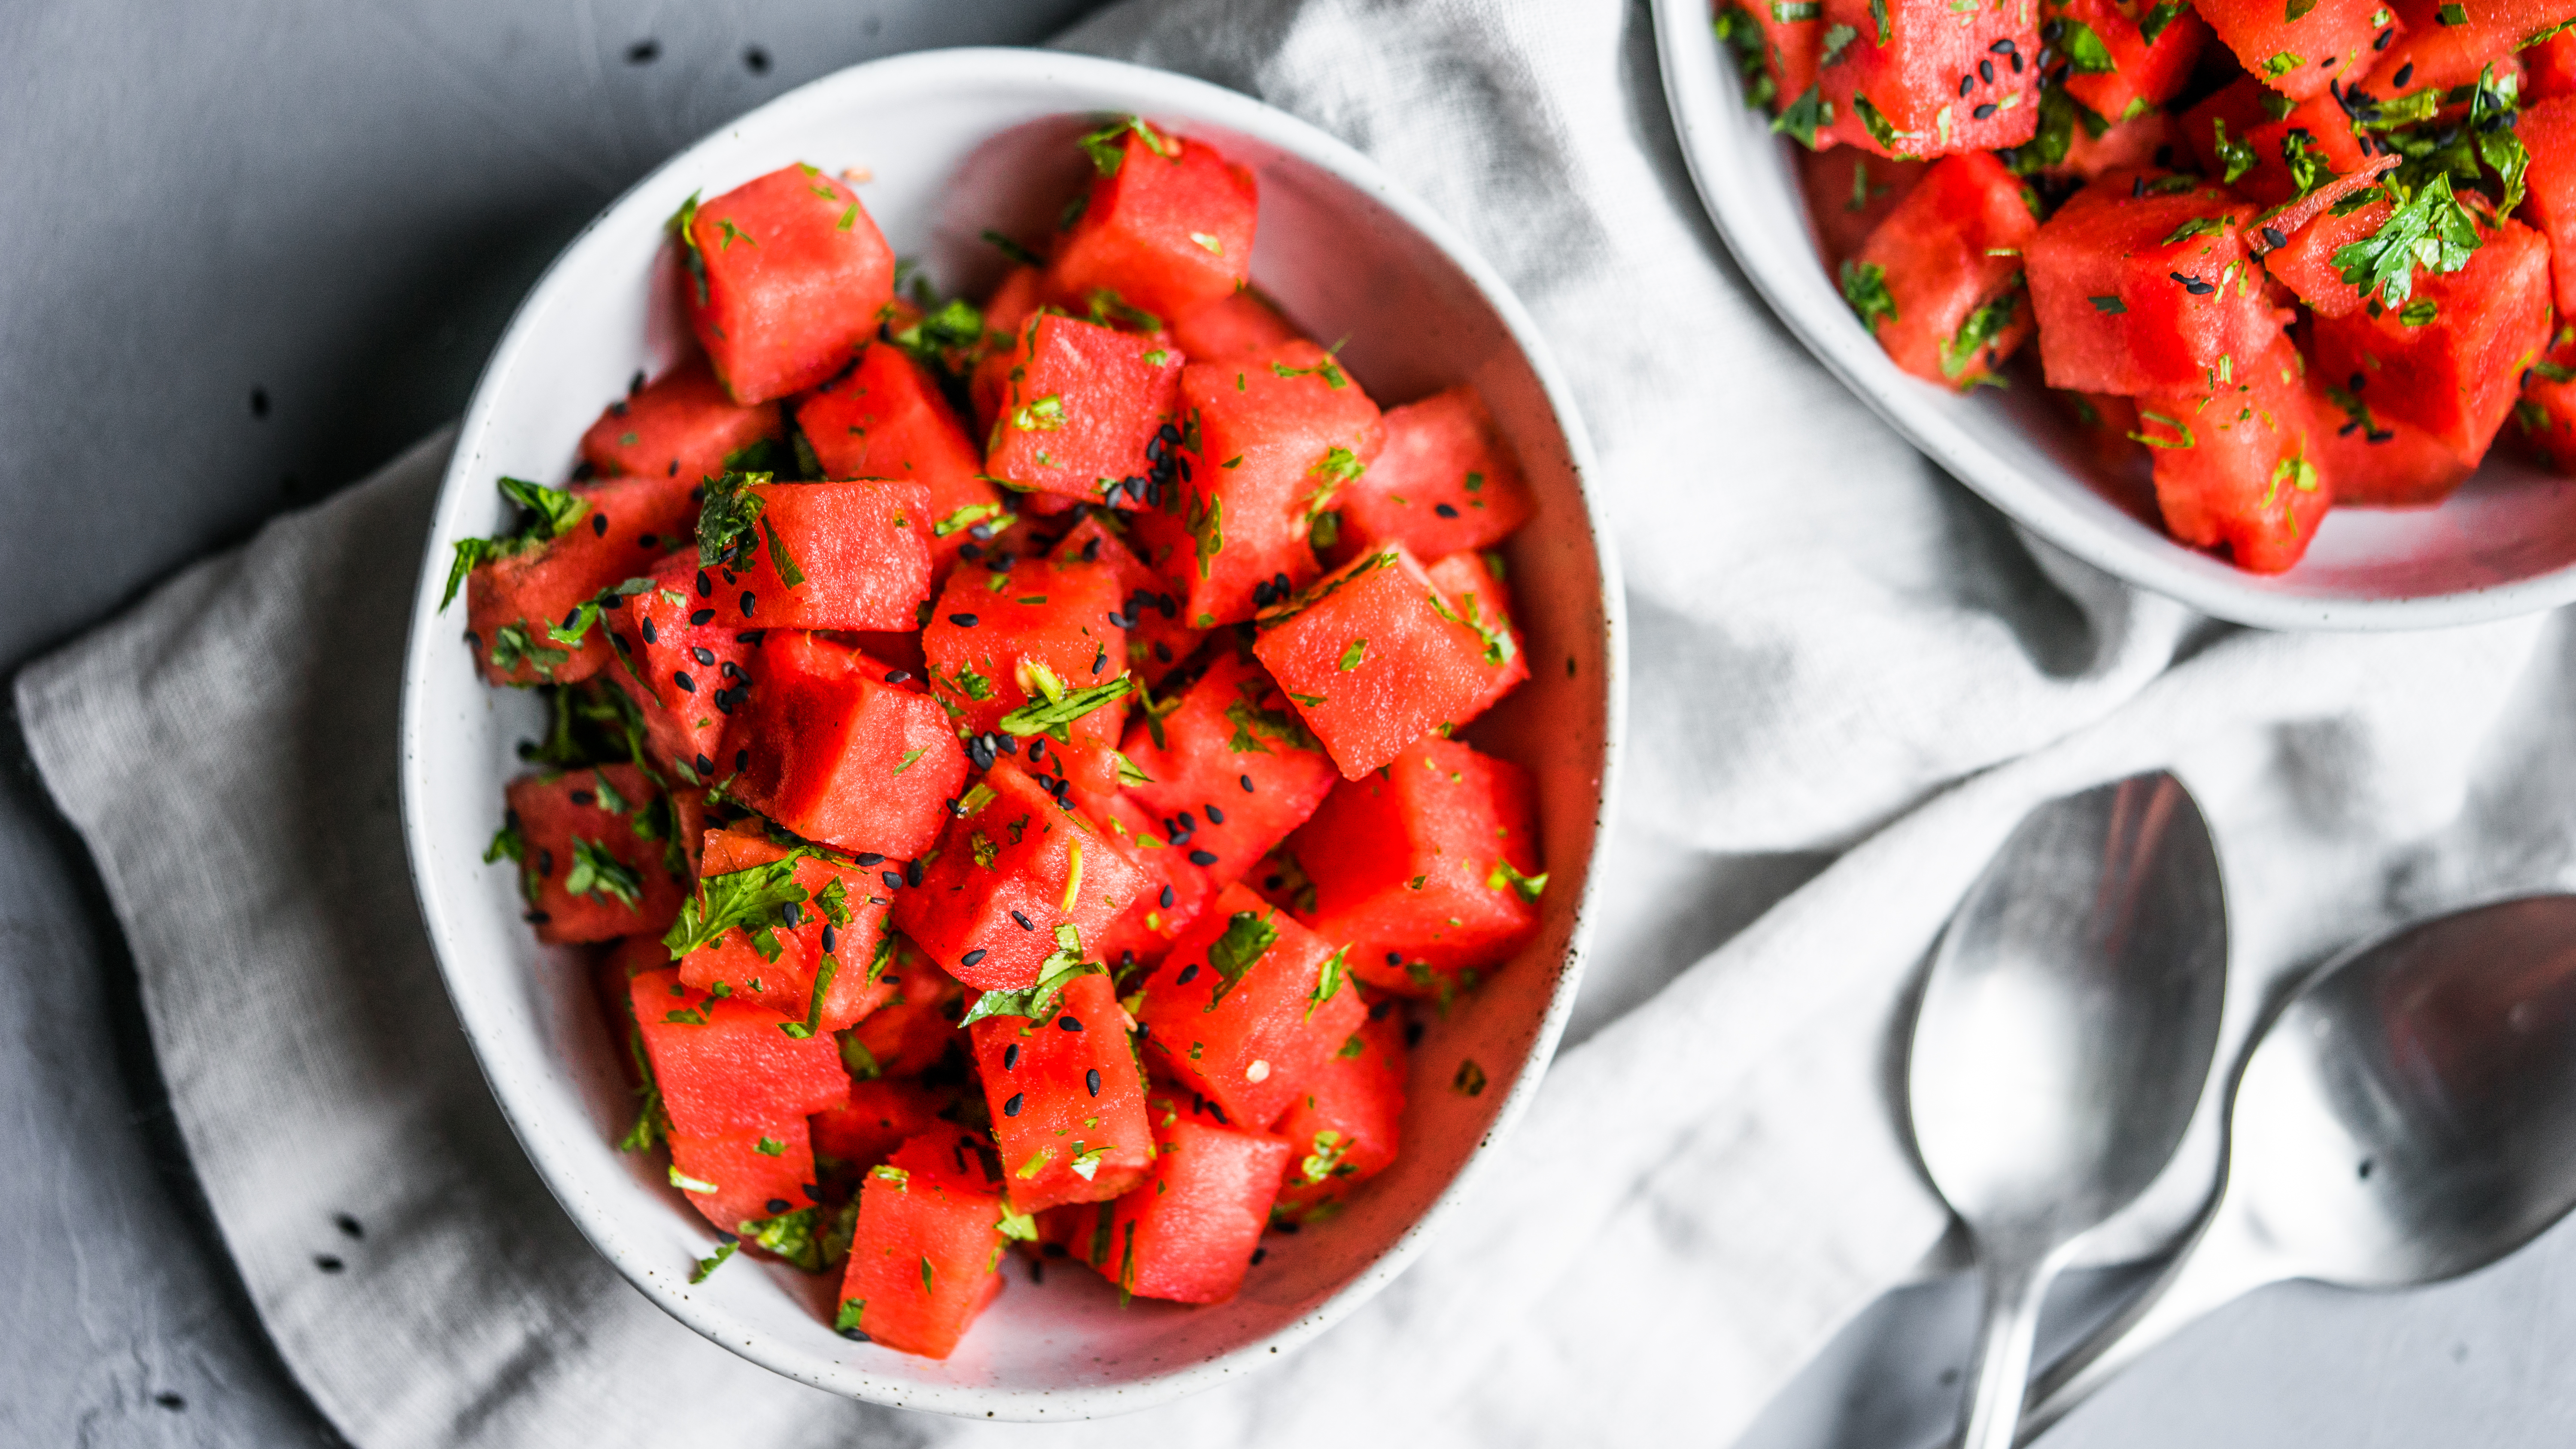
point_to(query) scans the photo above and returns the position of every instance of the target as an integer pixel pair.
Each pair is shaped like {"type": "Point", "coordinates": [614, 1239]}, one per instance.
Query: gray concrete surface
{"type": "Point", "coordinates": [254, 247]}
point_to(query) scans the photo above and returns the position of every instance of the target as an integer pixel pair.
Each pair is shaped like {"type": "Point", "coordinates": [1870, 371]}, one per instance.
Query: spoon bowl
{"type": "Point", "coordinates": [2067, 1026]}
{"type": "Point", "coordinates": [2408, 1116]}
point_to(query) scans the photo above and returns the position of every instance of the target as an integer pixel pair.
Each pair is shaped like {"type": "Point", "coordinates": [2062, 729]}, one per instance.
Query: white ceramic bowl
{"type": "Point", "coordinates": [958, 141]}
{"type": "Point", "coordinates": [2504, 544]}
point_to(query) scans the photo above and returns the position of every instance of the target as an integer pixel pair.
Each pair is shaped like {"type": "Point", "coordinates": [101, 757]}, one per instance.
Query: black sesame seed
{"type": "Point", "coordinates": [1068, 1023]}
{"type": "Point", "coordinates": [1986, 71]}
{"type": "Point", "coordinates": [1968, 83]}
{"type": "Point", "coordinates": [1162, 652]}
{"type": "Point", "coordinates": [971, 551]}
{"type": "Point", "coordinates": [584, 798]}
{"type": "Point", "coordinates": [897, 676]}
{"type": "Point", "coordinates": [971, 957]}
{"type": "Point", "coordinates": [673, 471]}
{"type": "Point", "coordinates": [777, 1205]}
{"type": "Point", "coordinates": [1258, 1254]}
{"type": "Point", "coordinates": [651, 635]}
{"type": "Point", "coordinates": [705, 765]}
{"type": "Point", "coordinates": [1012, 1107]}
{"type": "Point", "coordinates": [2385, 36]}
{"type": "Point", "coordinates": [545, 863]}
{"type": "Point", "coordinates": [1395, 958]}
{"type": "Point", "coordinates": [1091, 546]}
{"type": "Point", "coordinates": [912, 873]}
{"type": "Point", "coordinates": [702, 617]}
{"type": "Point", "coordinates": [1202, 857]}
{"type": "Point", "coordinates": [1165, 900]}
{"type": "Point", "coordinates": [681, 678]}
{"type": "Point", "coordinates": [1285, 1227]}
{"type": "Point", "coordinates": [829, 939]}
{"type": "Point", "coordinates": [2016, 63]}
{"type": "Point", "coordinates": [702, 654]}
{"type": "Point", "coordinates": [742, 759]}
{"type": "Point", "coordinates": [2273, 238]}
{"type": "Point", "coordinates": [1023, 920]}
{"type": "Point", "coordinates": [1381, 1008]}
{"type": "Point", "coordinates": [747, 602]}
{"type": "Point", "coordinates": [793, 914]}
{"type": "Point", "coordinates": [1246, 782]}
{"type": "Point", "coordinates": [599, 525]}
{"type": "Point", "coordinates": [1273, 881]}
{"type": "Point", "coordinates": [706, 590]}
{"type": "Point", "coordinates": [1413, 1033]}
{"type": "Point", "coordinates": [1091, 1081]}
{"type": "Point", "coordinates": [962, 621]}
{"type": "Point", "coordinates": [2004, 46]}
{"type": "Point", "coordinates": [2404, 74]}
{"type": "Point", "coordinates": [1983, 112]}
{"type": "Point", "coordinates": [868, 858]}
{"type": "Point", "coordinates": [1188, 974]}
{"type": "Point", "coordinates": [1011, 1057]}
{"type": "Point", "coordinates": [1215, 816]}
{"type": "Point", "coordinates": [893, 882]}
{"type": "Point", "coordinates": [1448, 510]}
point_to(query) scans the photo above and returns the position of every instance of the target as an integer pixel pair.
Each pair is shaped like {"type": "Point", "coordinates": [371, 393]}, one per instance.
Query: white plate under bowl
{"type": "Point", "coordinates": [958, 141]}
{"type": "Point", "coordinates": [2505, 544]}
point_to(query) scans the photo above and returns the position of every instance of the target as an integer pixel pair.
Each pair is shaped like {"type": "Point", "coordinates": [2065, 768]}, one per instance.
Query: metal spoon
{"type": "Point", "coordinates": [2066, 1029]}
{"type": "Point", "coordinates": [2408, 1116]}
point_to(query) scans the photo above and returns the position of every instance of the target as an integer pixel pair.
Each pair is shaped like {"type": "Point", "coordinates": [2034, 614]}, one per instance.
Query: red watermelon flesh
{"type": "Point", "coordinates": [1188, 1232]}
{"type": "Point", "coordinates": [1232, 325]}
{"type": "Point", "coordinates": [512, 603]}
{"type": "Point", "coordinates": [860, 551]}
{"type": "Point", "coordinates": [840, 932]}
{"type": "Point", "coordinates": [1076, 405]}
{"type": "Point", "coordinates": [1168, 229]}
{"type": "Point", "coordinates": [1013, 854]}
{"type": "Point", "coordinates": [1443, 481]}
{"type": "Point", "coordinates": [1467, 580]}
{"type": "Point", "coordinates": [1233, 1012]}
{"type": "Point", "coordinates": [2305, 263]}
{"type": "Point", "coordinates": [839, 748]}
{"type": "Point", "coordinates": [2548, 132]}
{"type": "Point", "coordinates": [2549, 68]}
{"type": "Point", "coordinates": [1792, 41]}
{"type": "Point", "coordinates": [1346, 1126]}
{"type": "Point", "coordinates": [2438, 57]}
{"type": "Point", "coordinates": [2300, 52]}
{"type": "Point", "coordinates": [2141, 283]}
{"type": "Point", "coordinates": [1067, 1097]}
{"type": "Point", "coordinates": [926, 1245]}
{"type": "Point", "coordinates": [2264, 134]}
{"type": "Point", "coordinates": [2236, 464]}
{"type": "Point", "coordinates": [1849, 192]}
{"type": "Point", "coordinates": [681, 427]}
{"type": "Point", "coordinates": [1949, 258]}
{"type": "Point", "coordinates": [992, 650]}
{"type": "Point", "coordinates": [1376, 657]}
{"type": "Point", "coordinates": [2376, 462]}
{"type": "Point", "coordinates": [887, 419]}
{"type": "Point", "coordinates": [1149, 607]}
{"type": "Point", "coordinates": [674, 660]}
{"type": "Point", "coordinates": [724, 1067]}
{"type": "Point", "coordinates": [1171, 890]}
{"type": "Point", "coordinates": [909, 1034]}
{"type": "Point", "coordinates": [2547, 410]}
{"type": "Point", "coordinates": [2152, 139]}
{"type": "Point", "coordinates": [1430, 870]}
{"type": "Point", "coordinates": [2144, 74]}
{"type": "Point", "coordinates": [878, 1117]}
{"type": "Point", "coordinates": [1230, 772]}
{"type": "Point", "coordinates": [1268, 439]}
{"type": "Point", "coordinates": [786, 276]}
{"type": "Point", "coordinates": [1909, 83]}
{"type": "Point", "coordinates": [597, 853]}
{"type": "Point", "coordinates": [2451, 368]}
{"type": "Point", "coordinates": [2495, 28]}
{"type": "Point", "coordinates": [753, 1175]}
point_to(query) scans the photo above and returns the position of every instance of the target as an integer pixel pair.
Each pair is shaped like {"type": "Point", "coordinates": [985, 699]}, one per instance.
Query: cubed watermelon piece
{"type": "Point", "coordinates": [1022, 290]}
{"type": "Point", "coordinates": [1940, 282]}
{"type": "Point", "coordinates": [2441, 58]}
{"type": "Point", "coordinates": [2548, 132]}
{"type": "Point", "coordinates": [1345, 1128]}
{"type": "Point", "coordinates": [2450, 359]}
{"type": "Point", "coordinates": [838, 748]}
{"type": "Point", "coordinates": [1444, 480]}
{"type": "Point", "coordinates": [1481, 598]}
{"type": "Point", "coordinates": [2493, 28]}
{"type": "Point", "coordinates": [610, 532]}
{"type": "Point", "coordinates": [2141, 284]}
{"type": "Point", "coordinates": [682, 427]}
{"type": "Point", "coordinates": [1014, 866]}
{"type": "Point", "coordinates": [1248, 1007]}
{"type": "Point", "coordinates": [2301, 51]}
{"type": "Point", "coordinates": [879, 1117]}
{"type": "Point", "coordinates": [1188, 1232]}
{"type": "Point", "coordinates": [1429, 870]}
{"type": "Point", "coordinates": [1269, 438]}
{"type": "Point", "coordinates": [1172, 892]}
{"type": "Point", "coordinates": [2152, 139]}
{"type": "Point", "coordinates": [674, 661]}
{"type": "Point", "coordinates": [1909, 83]}
{"type": "Point", "coordinates": [1076, 407]}
{"type": "Point", "coordinates": [2236, 462]}
{"type": "Point", "coordinates": [2304, 261]}
{"type": "Point", "coordinates": [1228, 773]}
{"type": "Point", "coordinates": [1375, 657]}
{"type": "Point", "coordinates": [926, 1246]}
{"type": "Point", "coordinates": [834, 935]}
{"type": "Point", "coordinates": [2104, 422]}
{"type": "Point", "coordinates": [1067, 1096]}
{"type": "Point", "coordinates": [846, 555]}
{"type": "Point", "coordinates": [786, 276]}
{"type": "Point", "coordinates": [888, 419]}
{"type": "Point", "coordinates": [1849, 192]}
{"type": "Point", "coordinates": [597, 851]}
{"type": "Point", "coordinates": [1149, 605]}
{"type": "Point", "coordinates": [725, 1067]}
{"type": "Point", "coordinates": [2376, 462]}
{"type": "Point", "coordinates": [2549, 68]}
{"type": "Point", "coordinates": [1005, 629]}
{"type": "Point", "coordinates": [1234, 324]}
{"type": "Point", "coordinates": [2120, 73]}
{"type": "Point", "coordinates": [1167, 227]}
{"type": "Point", "coordinates": [739, 1178]}
{"type": "Point", "coordinates": [2547, 409]}
{"type": "Point", "coordinates": [909, 1034]}
{"type": "Point", "coordinates": [2267, 148]}
{"type": "Point", "coordinates": [1790, 37]}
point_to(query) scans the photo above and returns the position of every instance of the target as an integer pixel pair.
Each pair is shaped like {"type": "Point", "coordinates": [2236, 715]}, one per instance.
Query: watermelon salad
{"type": "Point", "coordinates": [1043, 831]}
{"type": "Point", "coordinates": [2272, 257]}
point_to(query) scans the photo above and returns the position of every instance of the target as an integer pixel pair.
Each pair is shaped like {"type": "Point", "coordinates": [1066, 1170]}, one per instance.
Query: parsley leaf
{"type": "Point", "coordinates": [545, 514]}
{"type": "Point", "coordinates": [1248, 937]}
{"type": "Point", "coordinates": [2431, 229]}
{"type": "Point", "coordinates": [1055, 973]}
{"type": "Point", "coordinates": [728, 518]}
{"type": "Point", "coordinates": [2085, 49]}
{"type": "Point", "coordinates": [1527, 887]}
{"type": "Point", "coordinates": [1107, 147]}
{"type": "Point", "coordinates": [599, 875]}
{"type": "Point", "coordinates": [1808, 115]}
{"type": "Point", "coordinates": [1327, 981]}
{"type": "Point", "coordinates": [749, 899]}
{"type": "Point", "coordinates": [1052, 716]}
{"type": "Point", "coordinates": [1864, 286]}
{"type": "Point", "coordinates": [2237, 155]}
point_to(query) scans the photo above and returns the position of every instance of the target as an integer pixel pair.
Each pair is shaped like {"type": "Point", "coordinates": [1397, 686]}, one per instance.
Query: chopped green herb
{"type": "Point", "coordinates": [1864, 286]}
{"type": "Point", "coordinates": [711, 1261]}
{"type": "Point", "coordinates": [1527, 887]}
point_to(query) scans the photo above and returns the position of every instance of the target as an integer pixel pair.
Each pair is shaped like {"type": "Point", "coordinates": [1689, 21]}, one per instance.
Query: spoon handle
{"type": "Point", "coordinates": [2225, 1260]}
{"type": "Point", "coordinates": [2016, 1285]}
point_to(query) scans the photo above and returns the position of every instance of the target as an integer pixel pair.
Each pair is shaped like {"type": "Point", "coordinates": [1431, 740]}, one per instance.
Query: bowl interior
{"type": "Point", "coordinates": [2504, 544]}
{"type": "Point", "coordinates": [958, 142]}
